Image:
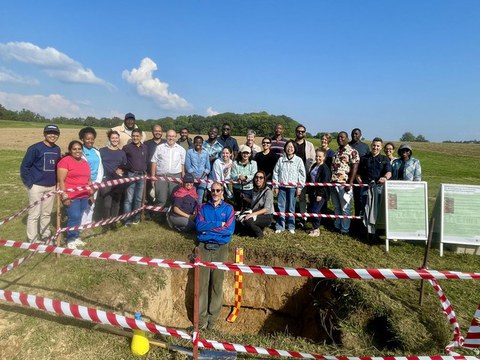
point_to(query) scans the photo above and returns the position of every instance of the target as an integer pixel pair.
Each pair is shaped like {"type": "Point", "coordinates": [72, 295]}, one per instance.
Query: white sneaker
{"type": "Point", "coordinates": [291, 231]}
{"type": "Point", "coordinates": [79, 242]}
{"type": "Point", "coordinates": [278, 231]}
{"type": "Point", "coordinates": [71, 245]}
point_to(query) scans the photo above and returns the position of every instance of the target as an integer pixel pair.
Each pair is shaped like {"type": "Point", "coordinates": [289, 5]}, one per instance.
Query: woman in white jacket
{"type": "Point", "coordinates": [289, 169]}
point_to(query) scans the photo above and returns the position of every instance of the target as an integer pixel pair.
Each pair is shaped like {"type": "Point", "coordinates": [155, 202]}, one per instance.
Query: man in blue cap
{"type": "Point", "coordinates": [38, 172]}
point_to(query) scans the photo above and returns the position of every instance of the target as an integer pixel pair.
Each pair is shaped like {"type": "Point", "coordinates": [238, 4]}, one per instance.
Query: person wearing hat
{"type": "Point", "coordinates": [406, 167]}
{"type": "Point", "coordinates": [184, 206]}
{"type": "Point", "coordinates": [38, 172]}
{"type": "Point", "coordinates": [243, 171]}
{"type": "Point", "coordinates": [125, 130]}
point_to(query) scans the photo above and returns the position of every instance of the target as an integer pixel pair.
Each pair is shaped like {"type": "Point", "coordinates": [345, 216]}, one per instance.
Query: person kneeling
{"type": "Point", "coordinates": [260, 216]}
{"type": "Point", "coordinates": [184, 207]}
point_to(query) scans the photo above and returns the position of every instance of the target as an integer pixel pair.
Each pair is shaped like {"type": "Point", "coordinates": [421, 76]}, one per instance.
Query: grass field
{"type": "Point", "coordinates": [371, 317]}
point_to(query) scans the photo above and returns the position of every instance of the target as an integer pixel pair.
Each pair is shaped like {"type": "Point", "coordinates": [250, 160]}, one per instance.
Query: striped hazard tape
{"type": "Point", "coordinates": [238, 287]}
{"type": "Point", "coordinates": [472, 340]}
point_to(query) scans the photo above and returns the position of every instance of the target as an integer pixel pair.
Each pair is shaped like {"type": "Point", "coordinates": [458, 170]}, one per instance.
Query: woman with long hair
{"type": "Point", "coordinates": [73, 171]}
{"type": "Point", "coordinates": [261, 206]}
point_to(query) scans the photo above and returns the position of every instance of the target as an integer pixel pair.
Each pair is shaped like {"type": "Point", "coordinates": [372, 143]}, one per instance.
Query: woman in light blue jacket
{"type": "Point", "coordinates": [289, 169]}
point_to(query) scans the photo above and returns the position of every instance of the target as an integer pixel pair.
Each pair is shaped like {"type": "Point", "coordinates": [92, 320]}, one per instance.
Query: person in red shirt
{"type": "Point", "coordinates": [73, 171]}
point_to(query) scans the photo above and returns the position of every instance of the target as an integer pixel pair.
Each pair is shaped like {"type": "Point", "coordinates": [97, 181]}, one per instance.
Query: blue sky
{"type": "Point", "coordinates": [386, 66]}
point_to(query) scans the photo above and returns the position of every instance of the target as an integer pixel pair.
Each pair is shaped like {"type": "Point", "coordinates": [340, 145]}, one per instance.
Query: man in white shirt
{"type": "Point", "coordinates": [168, 160]}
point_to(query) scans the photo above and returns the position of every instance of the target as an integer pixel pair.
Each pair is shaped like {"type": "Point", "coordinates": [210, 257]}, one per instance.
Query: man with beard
{"type": "Point", "coordinates": [184, 140]}
{"type": "Point", "coordinates": [305, 151]}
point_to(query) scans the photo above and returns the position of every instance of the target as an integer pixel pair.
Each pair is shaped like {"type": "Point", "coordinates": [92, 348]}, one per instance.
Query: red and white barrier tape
{"type": "Point", "coordinates": [15, 263]}
{"type": "Point", "coordinates": [313, 215]}
{"type": "Point", "coordinates": [451, 316]}
{"type": "Point", "coordinates": [212, 344]}
{"type": "Point", "coordinates": [36, 203]}
{"type": "Point", "coordinates": [131, 259]}
{"type": "Point", "coordinates": [101, 222]}
{"type": "Point", "coordinates": [89, 314]}
{"type": "Point", "coordinates": [109, 318]}
{"type": "Point", "coordinates": [472, 340]}
{"type": "Point", "coordinates": [365, 274]}
{"type": "Point", "coordinates": [360, 274]}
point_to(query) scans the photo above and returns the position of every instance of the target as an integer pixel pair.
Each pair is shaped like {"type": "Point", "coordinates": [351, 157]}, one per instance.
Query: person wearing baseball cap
{"type": "Point", "coordinates": [38, 173]}
{"type": "Point", "coordinates": [406, 167]}
{"type": "Point", "coordinates": [125, 130]}
{"type": "Point", "coordinates": [184, 206]}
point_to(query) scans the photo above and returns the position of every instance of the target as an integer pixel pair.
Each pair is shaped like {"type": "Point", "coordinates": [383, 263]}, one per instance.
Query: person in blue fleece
{"type": "Point", "coordinates": [215, 224]}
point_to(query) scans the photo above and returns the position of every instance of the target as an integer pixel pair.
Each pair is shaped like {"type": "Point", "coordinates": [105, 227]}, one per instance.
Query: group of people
{"type": "Point", "coordinates": [287, 163]}
{"type": "Point", "coordinates": [279, 168]}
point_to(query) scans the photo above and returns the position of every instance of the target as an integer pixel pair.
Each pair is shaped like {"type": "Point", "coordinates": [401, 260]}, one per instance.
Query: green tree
{"type": "Point", "coordinates": [408, 136]}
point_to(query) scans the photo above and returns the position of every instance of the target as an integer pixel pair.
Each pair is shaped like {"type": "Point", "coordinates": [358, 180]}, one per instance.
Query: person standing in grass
{"type": "Point", "coordinates": [212, 146]}
{"type": "Point", "coordinates": [215, 225]}
{"type": "Point", "coordinates": [168, 161]}
{"type": "Point", "coordinates": [318, 195]}
{"type": "Point", "coordinates": [137, 154]}
{"type": "Point", "coordinates": [87, 136]}
{"type": "Point", "coordinates": [38, 173]}
{"type": "Point", "coordinates": [184, 140]}
{"type": "Point", "coordinates": [125, 130]}
{"type": "Point", "coordinates": [226, 140]}
{"type": "Point", "coordinates": [73, 171]}
{"type": "Point", "coordinates": [278, 141]}
{"type": "Point", "coordinates": [375, 169]}
{"type": "Point", "coordinates": [250, 142]}
{"type": "Point", "coordinates": [266, 159]}
{"type": "Point", "coordinates": [114, 160]}
{"type": "Point", "coordinates": [344, 170]}
{"type": "Point", "coordinates": [357, 144]}
{"type": "Point", "coordinates": [406, 167]}
{"type": "Point", "coordinates": [289, 169]}
{"type": "Point", "coordinates": [198, 164]}
{"type": "Point", "coordinates": [389, 149]}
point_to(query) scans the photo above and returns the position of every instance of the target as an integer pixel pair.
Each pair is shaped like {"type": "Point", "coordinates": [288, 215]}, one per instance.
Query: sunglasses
{"type": "Point", "coordinates": [225, 128]}
{"type": "Point", "coordinates": [259, 177]}
{"type": "Point", "coordinates": [300, 131]}
{"type": "Point", "coordinates": [266, 142]}
{"type": "Point", "coordinates": [216, 190]}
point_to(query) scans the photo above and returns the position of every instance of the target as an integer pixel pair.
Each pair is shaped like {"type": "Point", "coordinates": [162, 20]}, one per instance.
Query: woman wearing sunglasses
{"type": "Point", "coordinates": [261, 206]}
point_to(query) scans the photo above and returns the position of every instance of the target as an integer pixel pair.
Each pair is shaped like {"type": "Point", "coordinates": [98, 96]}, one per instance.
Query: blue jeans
{"type": "Point", "coordinates": [200, 191]}
{"type": "Point", "coordinates": [342, 207]}
{"type": "Point", "coordinates": [133, 197]}
{"type": "Point", "coordinates": [74, 213]}
{"type": "Point", "coordinates": [286, 203]}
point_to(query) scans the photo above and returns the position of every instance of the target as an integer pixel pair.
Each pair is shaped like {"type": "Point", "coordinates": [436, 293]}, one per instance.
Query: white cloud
{"type": "Point", "coordinates": [211, 112]}
{"type": "Point", "coordinates": [11, 77]}
{"type": "Point", "coordinates": [55, 63]}
{"type": "Point", "coordinates": [148, 86]}
{"type": "Point", "coordinates": [49, 106]}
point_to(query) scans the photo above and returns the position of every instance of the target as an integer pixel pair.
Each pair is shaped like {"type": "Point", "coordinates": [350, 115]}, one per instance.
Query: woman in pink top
{"type": "Point", "coordinates": [73, 171]}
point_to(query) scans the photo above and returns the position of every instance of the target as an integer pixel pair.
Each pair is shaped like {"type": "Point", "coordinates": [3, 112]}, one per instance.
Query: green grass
{"type": "Point", "coordinates": [362, 307]}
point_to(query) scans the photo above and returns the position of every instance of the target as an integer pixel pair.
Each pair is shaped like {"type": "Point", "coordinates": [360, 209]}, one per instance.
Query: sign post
{"type": "Point", "coordinates": [406, 211]}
